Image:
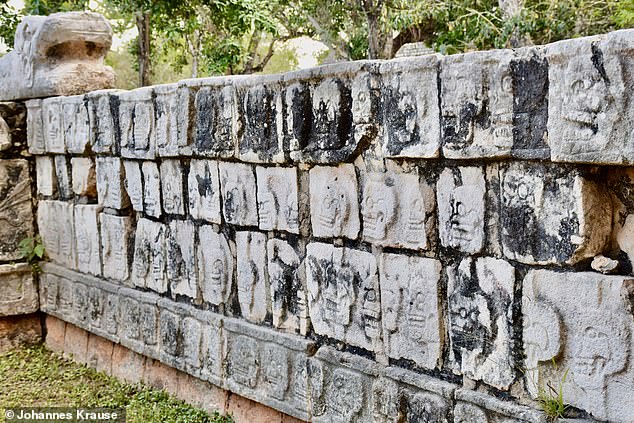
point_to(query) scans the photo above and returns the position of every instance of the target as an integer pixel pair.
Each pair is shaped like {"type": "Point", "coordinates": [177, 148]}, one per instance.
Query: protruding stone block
{"type": "Point", "coordinates": [54, 141]}
{"type": "Point", "coordinates": [478, 407]}
{"type": "Point", "coordinates": [181, 258]}
{"type": "Point", "coordinates": [55, 221]}
{"type": "Point", "coordinates": [151, 189]}
{"type": "Point", "coordinates": [136, 124]}
{"type": "Point", "coordinates": [134, 184]}
{"type": "Point", "coordinates": [278, 199]}
{"type": "Point", "coordinates": [215, 266]}
{"type": "Point", "coordinates": [35, 127]}
{"type": "Point", "coordinates": [216, 121]}
{"type": "Point", "coordinates": [366, 101]}
{"type": "Point", "coordinates": [76, 123]}
{"type": "Point", "coordinates": [88, 245]}
{"type": "Point", "coordinates": [16, 212]}
{"type": "Point", "coordinates": [204, 190]}
{"type": "Point", "coordinates": [46, 177]}
{"type": "Point", "coordinates": [253, 289]}
{"type": "Point", "coordinates": [115, 246]}
{"type": "Point", "coordinates": [63, 177]}
{"type": "Point", "coordinates": [172, 105]}
{"type": "Point", "coordinates": [238, 194]}
{"type": "Point", "coordinates": [148, 270]}
{"type": "Point", "coordinates": [110, 189]}
{"type": "Point", "coordinates": [18, 293]}
{"type": "Point", "coordinates": [172, 187]}
{"type": "Point", "coordinates": [103, 107]}
{"type": "Point", "coordinates": [84, 177]}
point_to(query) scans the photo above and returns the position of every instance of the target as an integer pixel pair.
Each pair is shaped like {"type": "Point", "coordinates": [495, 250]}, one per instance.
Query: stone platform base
{"type": "Point", "coordinates": [124, 364]}
{"type": "Point", "coordinates": [18, 330]}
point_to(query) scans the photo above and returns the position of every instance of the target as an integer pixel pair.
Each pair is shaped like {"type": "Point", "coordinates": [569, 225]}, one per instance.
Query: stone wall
{"type": "Point", "coordinates": [372, 241]}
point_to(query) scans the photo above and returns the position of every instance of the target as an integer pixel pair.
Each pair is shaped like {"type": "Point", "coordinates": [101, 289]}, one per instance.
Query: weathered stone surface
{"type": "Point", "coordinates": [204, 190]}
{"type": "Point", "coordinates": [397, 210]}
{"type": "Point", "coordinates": [238, 194]}
{"type": "Point", "coordinates": [115, 245]}
{"type": "Point", "coordinates": [55, 222]}
{"type": "Point", "coordinates": [278, 201]}
{"type": "Point", "coordinates": [149, 256]}
{"type": "Point", "coordinates": [410, 311]}
{"type": "Point", "coordinates": [461, 206]}
{"type": "Point", "coordinates": [343, 295]}
{"type": "Point", "coordinates": [581, 323]}
{"type": "Point", "coordinates": [136, 124]}
{"type": "Point", "coordinates": [552, 215]}
{"type": "Point", "coordinates": [216, 121]}
{"type": "Point", "coordinates": [215, 266]}
{"type": "Point", "coordinates": [172, 105]}
{"type": "Point", "coordinates": [84, 177]}
{"type": "Point", "coordinates": [110, 188]}
{"type": "Point", "coordinates": [213, 348]}
{"type": "Point", "coordinates": [172, 187]}
{"type": "Point", "coordinates": [181, 258]}
{"type": "Point", "coordinates": [134, 184]}
{"type": "Point", "coordinates": [410, 107]}
{"type": "Point", "coordinates": [18, 292]}
{"type": "Point", "coordinates": [334, 208]}
{"type": "Point", "coordinates": [46, 177]}
{"type": "Point", "coordinates": [151, 189]}
{"type": "Point", "coordinates": [35, 127]}
{"type": "Point", "coordinates": [16, 212]}
{"type": "Point", "coordinates": [54, 141]}
{"type": "Point", "coordinates": [87, 239]}
{"type": "Point", "coordinates": [63, 177]}
{"type": "Point", "coordinates": [60, 54]}
{"type": "Point", "coordinates": [103, 112]}
{"type": "Point", "coordinates": [253, 289]}
{"type": "Point", "coordinates": [76, 123]}
{"type": "Point", "coordinates": [477, 407]}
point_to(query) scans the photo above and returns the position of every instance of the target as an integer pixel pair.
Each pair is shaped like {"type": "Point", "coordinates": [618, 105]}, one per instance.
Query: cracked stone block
{"type": "Point", "coordinates": [84, 177]}
{"type": "Point", "coordinates": [410, 107]}
{"type": "Point", "coordinates": [212, 350]}
{"type": "Point", "coordinates": [76, 124]}
{"type": "Point", "coordinates": [110, 186]}
{"type": "Point", "coordinates": [288, 293]}
{"type": "Point", "coordinates": [55, 222]}
{"type": "Point", "coordinates": [181, 258]}
{"type": "Point", "coordinates": [461, 206]}
{"type": "Point", "coordinates": [115, 245]}
{"type": "Point", "coordinates": [589, 120]}
{"type": "Point", "coordinates": [136, 124]}
{"type": "Point", "coordinates": [35, 127]}
{"type": "Point", "coordinates": [397, 210]}
{"type": "Point", "coordinates": [148, 267]}
{"type": "Point", "coordinates": [278, 207]}
{"type": "Point", "coordinates": [192, 343]}
{"type": "Point", "coordinates": [151, 189]}
{"type": "Point", "coordinates": [204, 191]}
{"type": "Point", "coordinates": [134, 184]}
{"type": "Point", "coordinates": [16, 208]}
{"type": "Point", "coordinates": [243, 357]}
{"type": "Point", "coordinates": [552, 215]}
{"type": "Point", "coordinates": [276, 364]}
{"type": "Point", "coordinates": [172, 108]}
{"type": "Point", "coordinates": [215, 266]}
{"type": "Point", "coordinates": [343, 295]}
{"type": "Point", "coordinates": [410, 311]}
{"type": "Point", "coordinates": [63, 176]}
{"type": "Point", "coordinates": [238, 186]}
{"type": "Point", "coordinates": [478, 407]}
{"type": "Point", "coordinates": [216, 122]}
{"type": "Point", "coordinates": [103, 107]}
{"type": "Point", "coordinates": [334, 208]}
{"type": "Point", "coordinates": [45, 176]}
{"type": "Point", "coordinates": [366, 101]}
{"type": "Point", "coordinates": [581, 324]}
{"type": "Point", "coordinates": [18, 294]}
{"type": "Point", "coordinates": [172, 187]}
{"type": "Point", "coordinates": [87, 239]}
{"type": "Point", "coordinates": [480, 298]}
{"type": "Point", "coordinates": [53, 126]}
{"type": "Point", "coordinates": [253, 290]}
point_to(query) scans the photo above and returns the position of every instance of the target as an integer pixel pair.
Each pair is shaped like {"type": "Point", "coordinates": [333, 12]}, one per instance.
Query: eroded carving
{"type": "Point", "coordinates": [151, 189]}
{"type": "Point", "coordinates": [216, 121]}
{"type": "Point", "coordinates": [215, 266]}
{"type": "Point", "coordinates": [115, 244]}
{"type": "Point", "coordinates": [87, 239]}
{"type": "Point", "coordinates": [204, 190]}
{"type": "Point", "coordinates": [172, 187]}
{"type": "Point", "coordinates": [239, 194]}
{"type": "Point", "coordinates": [181, 258]}
{"type": "Point", "coordinates": [136, 124]}
{"type": "Point", "coordinates": [110, 189]}
{"type": "Point", "coordinates": [277, 199]}
{"type": "Point", "coordinates": [149, 256]}
{"type": "Point", "coordinates": [243, 361]}
{"type": "Point", "coordinates": [15, 207]}
{"type": "Point", "coordinates": [253, 291]}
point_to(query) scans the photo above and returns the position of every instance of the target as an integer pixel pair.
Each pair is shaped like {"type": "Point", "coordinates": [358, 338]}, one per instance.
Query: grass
{"type": "Point", "coordinates": [36, 377]}
{"type": "Point", "coordinates": [551, 400]}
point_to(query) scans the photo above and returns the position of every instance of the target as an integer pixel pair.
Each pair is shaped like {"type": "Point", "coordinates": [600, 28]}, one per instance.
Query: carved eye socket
{"type": "Point", "coordinates": [581, 85]}
{"type": "Point", "coordinates": [523, 191]}
{"type": "Point", "coordinates": [370, 295]}
{"type": "Point", "coordinates": [507, 83]}
{"type": "Point", "coordinates": [362, 97]}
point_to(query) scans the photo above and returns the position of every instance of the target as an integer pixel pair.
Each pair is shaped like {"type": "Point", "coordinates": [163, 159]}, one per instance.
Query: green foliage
{"type": "Point", "coordinates": [32, 250]}
{"type": "Point", "coordinates": [551, 400]}
{"type": "Point", "coordinates": [9, 20]}
{"type": "Point", "coordinates": [46, 7]}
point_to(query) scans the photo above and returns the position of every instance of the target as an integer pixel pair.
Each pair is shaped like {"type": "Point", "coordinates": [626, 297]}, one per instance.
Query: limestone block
{"type": "Point", "coordinates": [76, 123]}
{"type": "Point", "coordinates": [151, 189]}
{"type": "Point", "coordinates": [461, 205]}
{"type": "Point", "coordinates": [288, 293]}
{"type": "Point", "coordinates": [238, 186]}
{"type": "Point", "coordinates": [366, 101]}
{"type": "Point", "coordinates": [55, 222]}
{"type": "Point", "coordinates": [278, 199]}
{"type": "Point", "coordinates": [589, 120]}
{"type": "Point", "coordinates": [276, 365]}
{"type": "Point", "coordinates": [243, 359]}
{"type": "Point", "coordinates": [139, 324]}
{"type": "Point", "coordinates": [410, 107]}
{"type": "Point", "coordinates": [410, 312]}
{"type": "Point", "coordinates": [343, 295]}
{"type": "Point", "coordinates": [87, 239]}
{"type": "Point", "coordinates": [215, 266]}
{"type": "Point", "coordinates": [63, 177]}
{"type": "Point", "coordinates": [134, 184]}
{"type": "Point", "coordinates": [334, 208]}
{"type": "Point", "coordinates": [253, 289]}
{"type": "Point", "coordinates": [5, 135]}
{"type": "Point", "coordinates": [84, 177]}
{"type": "Point", "coordinates": [181, 258]}
{"type": "Point", "coordinates": [203, 184]}
{"type": "Point", "coordinates": [191, 344]}
{"type": "Point", "coordinates": [18, 294]}
{"type": "Point", "coordinates": [212, 349]}
{"type": "Point", "coordinates": [478, 407]}
{"type": "Point", "coordinates": [552, 215]}
{"type": "Point", "coordinates": [397, 210]}
{"type": "Point", "coordinates": [584, 322]}
{"type": "Point", "coordinates": [103, 107]}
{"type": "Point", "coordinates": [35, 127]}
{"type": "Point", "coordinates": [115, 245]}
{"type": "Point", "coordinates": [216, 121]}
{"type": "Point", "coordinates": [148, 268]}
{"type": "Point", "coordinates": [79, 316]}
{"type": "Point", "coordinates": [172, 107]}
{"type": "Point", "coordinates": [16, 213]}
{"type": "Point", "coordinates": [54, 141]}
{"type": "Point", "coordinates": [136, 124]}
{"type": "Point", "coordinates": [110, 188]}
{"type": "Point", "coordinates": [46, 177]}
{"type": "Point", "coordinates": [172, 187]}
{"type": "Point", "coordinates": [171, 335]}
{"type": "Point", "coordinates": [480, 297]}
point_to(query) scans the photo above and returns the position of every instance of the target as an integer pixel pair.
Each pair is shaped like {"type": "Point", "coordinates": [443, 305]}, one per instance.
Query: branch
{"type": "Point", "coordinates": [265, 60]}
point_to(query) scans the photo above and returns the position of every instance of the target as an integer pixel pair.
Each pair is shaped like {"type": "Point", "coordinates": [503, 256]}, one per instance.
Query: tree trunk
{"type": "Point", "coordinates": [143, 25]}
{"type": "Point", "coordinates": [376, 40]}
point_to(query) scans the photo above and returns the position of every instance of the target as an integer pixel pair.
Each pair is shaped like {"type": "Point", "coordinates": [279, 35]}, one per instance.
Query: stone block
{"type": "Point", "coordinates": [161, 376]}
{"type": "Point", "coordinates": [172, 105]}
{"type": "Point", "coordinates": [84, 177]}
{"type": "Point", "coordinates": [87, 239]}
{"type": "Point", "coordinates": [410, 107]}
{"type": "Point", "coordinates": [79, 305]}
{"type": "Point", "coordinates": [278, 207]}
{"type": "Point", "coordinates": [398, 210]}
{"type": "Point", "coordinates": [288, 291]}
{"type": "Point", "coordinates": [103, 107]}
{"type": "Point", "coordinates": [76, 123]}
{"type": "Point", "coordinates": [334, 208]}
{"type": "Point", "coordinates": [551, 214]}
{"type": "Point", "coordinates": [243, 358]}
{"type": "Point", "coordinates": [134, 184]}
{"type": "Point", "coordinates": [53, 126]}
{"type": "Point", "coordinates": [46, 178]}
{"type": "Point", "coordinates": [192, 358]}
{"type": "Point", "coordinates": [55, 333]}
{"type": "Point", "coordinates": [213, 349]}
{"type": "Point", "coordinates": [581, 324]}
{"type": "Point", "coordinates": [203, 184]}
{"type": "Point", "coordinates": [181, 258]}
{"type": "Point", "coordinates": [99, 354]}
{"type": "Point", "coordinates": [63, 177]}
{"type": "Point", "coordinates": [17, 331]}
{"type": "Point", "coordinates": [478, 407]}
{"type": "Point", "coordinates": [343, 295]}
{"type": "Point", "coordinates": [239, 194]}
{"type": "Point", "coordinates": [148, 268]}
{"type": "Point", "coordinates": [410, 312]}
{"type": "Point", "coordinates": [55, 221]}
{"type": "Point", "coordinates": [244, 410]}
{"type": "Point", "coordinates": [35, 127]}
{"type": "Point", "coordinates": [151, 189]}
{"type": "Point", "coordinates": [171, 336]}
{"type": "Point", "coordinates": [18, 293]}
{"type": "Point", "coordinates": [110, 188]}
{"type": "Point", "coordinates": [76, 344]}
{"type": "Point", "coordinates": [366, 102]}
{"type": "Point", "coordinates": [115, 246]}
{"type": "Point", "coordinates": [253, 289]}
{"type": "Point", "coordinates": [215, 266]}
{"type": "Point", "coordinates": [136, 124]}
{"type": "Point", "coordinates": [172, 187]}
{"type": "Point", "coordinates": [480, 298]}
{"type": "Point", "coordinates": [127, 365]}
{"type": "Point", "coordinates": [216, 121]}
{"type": "Point", "coordinates": [16, 208]}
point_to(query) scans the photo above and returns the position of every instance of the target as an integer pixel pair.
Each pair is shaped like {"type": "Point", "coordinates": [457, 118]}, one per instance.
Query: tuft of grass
{"type": "Point", "coordinates": [36, 377]}
{"type": "Point", "coordinates": [552, 399]}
